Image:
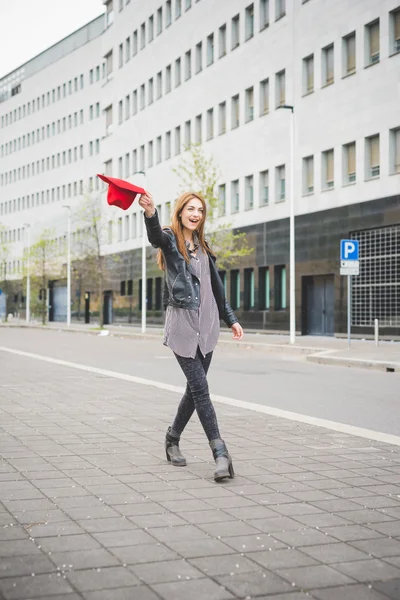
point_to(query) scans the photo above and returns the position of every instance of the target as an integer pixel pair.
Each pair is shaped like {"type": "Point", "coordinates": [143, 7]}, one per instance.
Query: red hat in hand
{"type": "Point", "coordinates": [121, 193]}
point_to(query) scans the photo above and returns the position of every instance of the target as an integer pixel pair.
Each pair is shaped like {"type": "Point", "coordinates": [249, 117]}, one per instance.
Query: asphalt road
{"type": "Point", "coordinates": [363, 398]}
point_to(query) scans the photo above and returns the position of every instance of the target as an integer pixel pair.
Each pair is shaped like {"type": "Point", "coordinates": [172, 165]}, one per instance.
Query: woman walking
{"type": "Point", "coordinates": [195, 302]}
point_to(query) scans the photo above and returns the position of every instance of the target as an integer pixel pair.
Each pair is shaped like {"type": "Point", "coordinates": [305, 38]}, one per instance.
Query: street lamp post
{"type": "Point", "coordinates": [144, 275]}
{"type": "Point", "coordinates": [68, 265]}
{"type": "Point", "coordinates": [28, 275]}
{"type": "Point", "coordinates": [292, 251]}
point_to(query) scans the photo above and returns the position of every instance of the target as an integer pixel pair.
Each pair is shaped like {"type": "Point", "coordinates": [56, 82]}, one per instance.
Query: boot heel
{"type": "Point", "coordinates": [231, 471]}
{"type": "Point", "coordinates": [168, 456]}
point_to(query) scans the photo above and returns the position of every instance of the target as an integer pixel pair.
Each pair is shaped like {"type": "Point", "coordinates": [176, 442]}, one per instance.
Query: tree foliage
{"type": "Point", "coordinates": [5, 251]}
{"type": "Point", "coordinates": [199, 173]}
{"type": "Point", "coordinates": [44, 266]}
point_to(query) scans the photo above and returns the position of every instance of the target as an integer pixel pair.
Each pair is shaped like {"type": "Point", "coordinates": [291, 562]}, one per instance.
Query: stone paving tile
{"type": "Point", "coordinates": [166, 571]}
{"type": "Point", "coordinates": [351, 592]}
{"type": "Point", "coordinates": [102, 579]}
{"type": "Point", "coordinates": [389, 588]}
{"type": "Point", "coordinates": [242, 585]}
{"type": "Point", "coordinates": [84, 559]}
{"type": "Point", "coordinates": [251, 543]}
{"type": "Point", "coordinates": [15, 566]}
{"type": "Point", "coordinates": [127, 593]}
{"type": "Point", "coordinates": [368, 570]}
{"type": "Point", "coordinates": [348, 533]}
{"type": "Point", "coordinates": [68, 543]}
{"type": "Point", "coordinates": [225, 564]}
{"type": "Point", "coordinates": [34, 587]}
{"type": "Point", "coordinates": [11, 532]}
{"type": "Point", "coordinates": [228, 529]}
{"type": "Point", "coordinates": [315, 576]}
{"type": "Point", "coordinates": [333, 553]}
{"type": "Point", "coordinates": [382, 547]}
{"type": "Point", "coordinates": [147, 553]}
{"type": "Point", "coordinates": [55, 529]}
{"type": "Point", "coordinates": [201, 589]}
{"type": "Point", "coordinates": [159, 520]}
{"type": "Point", "coordinates": [198, 548]}
{"type": "Point", "coordinates": [17, 548]}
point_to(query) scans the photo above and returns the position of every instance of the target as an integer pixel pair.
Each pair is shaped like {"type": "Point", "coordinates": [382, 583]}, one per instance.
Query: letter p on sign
{"type": "Point", "coordinates": [349, 250]}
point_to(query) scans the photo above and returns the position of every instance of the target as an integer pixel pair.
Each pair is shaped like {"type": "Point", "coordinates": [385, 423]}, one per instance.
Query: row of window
{"type": "Point", "coordinates": [264, 288]}
{"type": "Point", "coordinates": [37, 167]}
{"type": "Point", "coordinates": [56, 94]}
{"type": "Point", "coordinates": [371, 53]}
{"type": "Point", "coordinates": [45, 132]}
{"type": "Point", "coordinates": [29, 201]}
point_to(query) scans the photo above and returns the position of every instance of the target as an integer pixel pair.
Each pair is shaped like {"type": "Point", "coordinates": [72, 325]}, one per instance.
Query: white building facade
{"type": "Point", "coordinates": [129, 91]}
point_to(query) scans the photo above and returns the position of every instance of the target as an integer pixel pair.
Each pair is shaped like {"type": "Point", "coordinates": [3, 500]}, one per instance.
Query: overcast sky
{"type": "Point", "coordinates": [27, 27]}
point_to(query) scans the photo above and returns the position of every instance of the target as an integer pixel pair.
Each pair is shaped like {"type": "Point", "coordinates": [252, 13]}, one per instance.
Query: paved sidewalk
{"type": "Point", "coordinates": [325, 350]}
{"type": "Point", "coordinates": [90, 509]}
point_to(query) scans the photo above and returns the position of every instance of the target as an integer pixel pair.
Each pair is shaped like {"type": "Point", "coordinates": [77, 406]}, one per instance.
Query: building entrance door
{"type": "Point", "coordinates": [318, 305]}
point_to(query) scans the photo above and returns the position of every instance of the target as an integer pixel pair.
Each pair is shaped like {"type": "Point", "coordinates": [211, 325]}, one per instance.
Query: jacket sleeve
{"type": "Point", "coordinates": [229, 316]}
{"type": "Point", "coordinates": [156, 236]}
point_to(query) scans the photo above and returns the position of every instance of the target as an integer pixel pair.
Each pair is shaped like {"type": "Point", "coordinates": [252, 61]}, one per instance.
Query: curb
{"type": "Point", "coordinates": [326, 358]}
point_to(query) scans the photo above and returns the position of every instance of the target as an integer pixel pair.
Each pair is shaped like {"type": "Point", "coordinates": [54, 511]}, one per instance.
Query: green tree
{"type": "Point", "coordinates": [44, 266]}
{"type": "Point", "coordinates": [198, 173]}
{"type": "Point", "coordinates": [5, 251]}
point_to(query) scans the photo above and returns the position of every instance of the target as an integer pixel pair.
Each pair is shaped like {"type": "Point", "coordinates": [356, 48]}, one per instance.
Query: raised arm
{"type": "Point", "coordinates": [156, 236]}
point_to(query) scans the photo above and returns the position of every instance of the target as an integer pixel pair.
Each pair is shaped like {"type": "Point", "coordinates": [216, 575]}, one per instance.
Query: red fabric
{"type": "Point", "coordinates": [121, 193]}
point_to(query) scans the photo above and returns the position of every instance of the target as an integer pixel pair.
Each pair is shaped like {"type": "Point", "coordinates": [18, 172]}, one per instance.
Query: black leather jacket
{"type": "Point", "coordinates": [182, 287]}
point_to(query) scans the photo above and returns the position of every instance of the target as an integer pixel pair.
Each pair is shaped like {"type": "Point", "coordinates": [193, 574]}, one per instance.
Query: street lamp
{"type": "Point", "coordinates": [68, 265]}
{"type": "Point", "coordinates": [292, 260]}
{"type": "Point", "coordinates": [28, 274]}
{"type": "Point", "coordinates": [144, 290]}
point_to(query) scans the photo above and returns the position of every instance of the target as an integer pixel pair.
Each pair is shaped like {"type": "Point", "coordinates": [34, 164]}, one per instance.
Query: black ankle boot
{"type": "Point", "coordinates": [174, 455]}
{"type": "Point", "coordinates": [222, 459]}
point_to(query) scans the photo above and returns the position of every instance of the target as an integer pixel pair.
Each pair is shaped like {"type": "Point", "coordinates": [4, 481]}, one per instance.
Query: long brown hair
{"type": "Point", "coordinates": [177, 228]}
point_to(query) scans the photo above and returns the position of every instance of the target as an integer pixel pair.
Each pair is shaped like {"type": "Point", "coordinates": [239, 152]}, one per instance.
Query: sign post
{"type": "Point", "coordinates": [349, 265]}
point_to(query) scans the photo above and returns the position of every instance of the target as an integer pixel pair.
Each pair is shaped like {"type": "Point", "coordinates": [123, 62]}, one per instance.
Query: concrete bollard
{"type": "Point", "coordinates": [376, 328]}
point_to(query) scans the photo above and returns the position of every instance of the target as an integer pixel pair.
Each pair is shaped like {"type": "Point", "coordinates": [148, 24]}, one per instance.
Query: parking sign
{"type": "Point", "coordinates": [348, 249]}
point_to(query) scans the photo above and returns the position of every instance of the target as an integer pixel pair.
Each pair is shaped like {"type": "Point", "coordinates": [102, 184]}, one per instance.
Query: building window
{"type": "Point", "coordinates": [159, 85]}
{"type": "Point", "coordinates": [129, 291]}
{"type": "Point", "coordinates": [249, 192]}
{"type": "Point", "coordinates": [235, 196]}
{"type": "Point", "coordinates": [394, 151]}
{"type": "Point", "coordinates": [328, 179]}
{"type": "Point", "coordinates": [199, 57]}
{"type": "Point", "coordinates": [349, 163]}
{"type": "Point", "coordinates": [249, 22]}
{"type": "Point", "coordinates": [280, 287]}
{"type": "Point", "coordinates": [188, 65]}
{"type": "Point", "coordinates": [159, 20]}
{"type": "Point", "coordinates": [158, 150]}
{"type": "Point", "coordinates": [127, 164]}
{"type": "Point", "coordinates": [199, 136]}
{"type": "Point", "coordinates": [127, 49]}
{"type": "Point", "coordinates": [372, 43]}
{"type": "Point", "coordinates": [308, 175]}
{"type": "Point", "coordinates": [134, 161]}
{"type": "Point", "coordinates": [394, 31]}
{"type": "Point", "coordinates": [142, 96]}
{"type": "Point", "coordinates": [349, 54]}
{"type": "Point", "coordinates": [222, 41]}
{"type": "Point", "coordinates": [109, 13]}
{"type": "Point", "coordinates": [188, 4]}
{"type": "Point", "coordinates": [119, 229]}
{"type": "Point", "coordinates": [127, 227]}
{"type": "Point", "coordinates": [168, 145]}
{"type": "Point", "coordinates": [134, 227]}
{"type": "Point", "coordinates": [151, 28]}
{"type": "Point", "coordinates": [328, 76]}
{"type": "Point", "coordinates": [235, 289]}
{"type": "Point", "coordinates": [264, 14]}
{"type": "Point", "coordinates": [264, 97]}
{"type": "Point", "coordinates": [248, 289]}
{"type": "Point", "coordinates": [372, 156]}
{"type": "Point", "coordinates": [109, 119]}
{"type": "Point", "coordinates": [280, 9]}
{"type": "Point", "coordinates": [121, 55]}
{"type": "Point", "coordinates": [177, 140]}
{"type": "Point", "coordinates": [210, 124]}
{"type": "Point", "coordinates": [222, 118]}
{"type": "Point", "coordinates": [221, 200]}
{"type": "Point", "coordinates": [142, 36]}
{"type": "Point", "coordinates": [210, 50]}
{"type": "Point", "coordinates": [280, 93]}
{"type": "Point", "coordinates": [308, 74]}
{"type": "Point", "coordinates": [168, 13]}
{"type": "Point", "coordinates": [150, 155]}
{"type": "Point", "coordinates": [264, 188]}
{"type": "Point", "coordinates": [168, 79]}
{"type": "Point", "coordinates": [109, 63]}
{"type": "Point", "coordinates": [134, 102]}
{"type": "Point", "coordinates": [263, 288]}
{"type": "Point", "coordinates": [135, 43]}
{"type": "Point", "coordinates": [235, 112]}
{"type": "Point", "coordinates": [178, 8]}
{"type": "Point", "coordinates": [151, 91]}
{"type": "Point", "coordinates": [141, 158]}
{"type": "Point", "coordinates": [177, 72]}
{"type": "Point", "coordinates": [235, 32]}
{"type": "Point", "coordinates": [110, 232]}
{"type": "Point", "coordinates": [187, 134]}
{"type": "Point", "coordinates": [249, 104]}
{"type": "Point", "coordinates": [280, 183]}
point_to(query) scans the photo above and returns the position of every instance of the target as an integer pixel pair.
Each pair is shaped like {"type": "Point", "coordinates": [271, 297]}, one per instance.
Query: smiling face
{"type": "Point", "coordinates": [192, 215]}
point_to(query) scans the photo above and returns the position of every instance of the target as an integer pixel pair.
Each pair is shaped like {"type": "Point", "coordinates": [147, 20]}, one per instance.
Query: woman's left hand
{"type": "Point", "coordinates": [237, 331]}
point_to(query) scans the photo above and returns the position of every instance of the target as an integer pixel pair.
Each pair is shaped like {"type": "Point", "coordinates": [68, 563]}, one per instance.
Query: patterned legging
{"type": "Point", "coordinates": [196, 396]}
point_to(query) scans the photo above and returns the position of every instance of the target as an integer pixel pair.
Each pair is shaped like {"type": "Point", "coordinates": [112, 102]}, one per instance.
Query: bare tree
{"type": "Point", "coordinates": [45, 265]}
{"type": "Point", "coordinates": [200, 174]}
{"type": "Point", "coordinates": [5, 251]}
